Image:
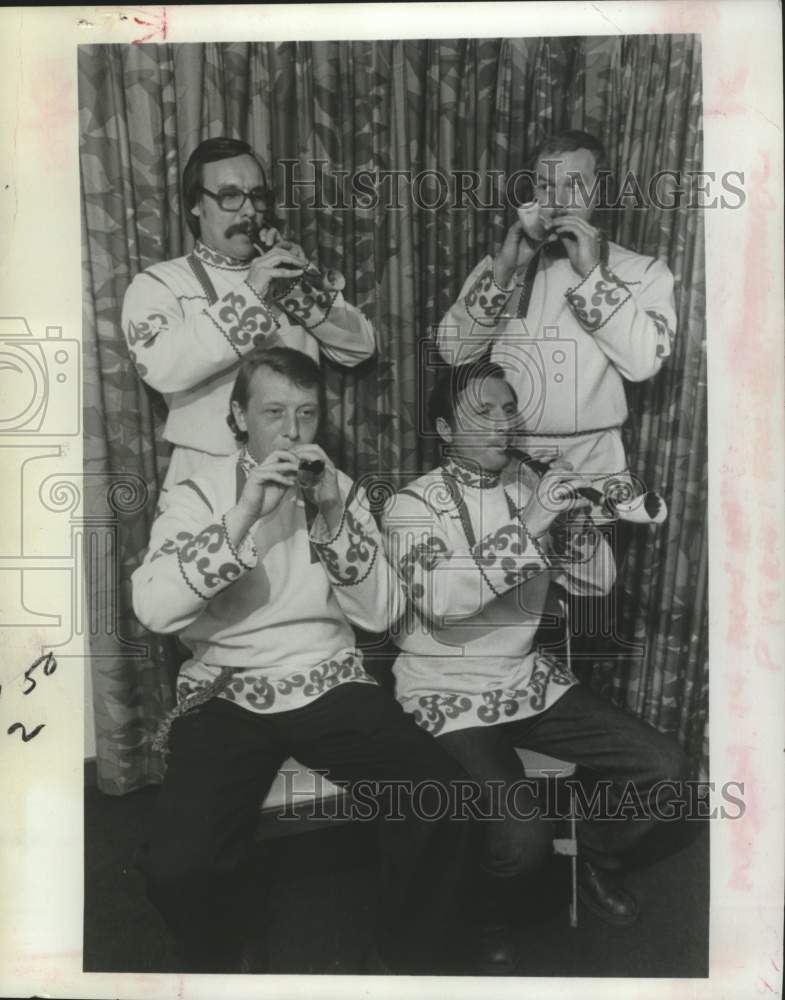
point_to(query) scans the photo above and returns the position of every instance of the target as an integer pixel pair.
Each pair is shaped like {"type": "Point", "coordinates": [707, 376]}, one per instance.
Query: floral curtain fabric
{"type": "Point", "coordinates": [416, 111]}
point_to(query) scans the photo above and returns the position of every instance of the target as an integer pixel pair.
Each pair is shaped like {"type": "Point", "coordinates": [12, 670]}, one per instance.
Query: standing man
{"type": "Point", "coordinates": [568, 314]}
{"type": "Point", "coordinates": [262, 567]}
{"type": "Point", "coordinates": [477, 557]}
{"type": "Point", "coordinates": [189, 321]}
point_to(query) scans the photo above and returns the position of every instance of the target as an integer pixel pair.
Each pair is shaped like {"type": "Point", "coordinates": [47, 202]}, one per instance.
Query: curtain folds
{"type": "Point", "coordinates": [420, 111]}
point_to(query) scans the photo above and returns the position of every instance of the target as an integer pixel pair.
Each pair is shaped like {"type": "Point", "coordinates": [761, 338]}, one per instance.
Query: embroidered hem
{"type": "Point", "coordinates": [441, 711]}
{"type": "Point", "coordinates": [258, 690]}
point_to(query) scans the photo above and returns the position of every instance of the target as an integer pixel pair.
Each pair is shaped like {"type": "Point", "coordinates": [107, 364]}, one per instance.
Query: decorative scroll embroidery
{"type": "Point", "coordinates": [500, 702]}
{"type": "Point", "coordinates": [259, 693]}
{"type": "Point", "coordinates": [433, 711]}
{"type": "Point", "coordinates": [243, 322]}
{"type": "Point", "coordinates": [665, 333]}
{"type": "Point", "coordinates": [330, 674]}
{"type": "Point", "coordinates": [211, 540]}
{"type": "Point", "coordinates": [470, 474]}
{"type": "Point", "coordinates": [225, 573]}
{"type": "Point", "coordinates": [147, 330]}
{"type": "Point", "coordinates": [436, 709]}
{"type": "Point", "coordinates": [485, 300]}
{"type": "Point", "coordinates": [606, 297]}
{"type": "Point", "coordinates": [512, 539]}
{"type": "Point", "coordinates": [346, 569]}
{"type": "Point", "coordinates": [306, 304]}
{"type": "Point", "coordinates": [324, 675]}
{"type": "Point", "coordinates": [572, 540]}
{"type": "Point", "coordinates": [255, 691]}
{"type": "Point", "coordinates": [191, 587]}
{"type": "Point", "coordinates": [172, 545]}
{"type": "Point", "coordinates": [547, 670]}
{"type": "Point", "coordinates": [424, 554]}
{"type": "Point", "coordinates": [217, 259]}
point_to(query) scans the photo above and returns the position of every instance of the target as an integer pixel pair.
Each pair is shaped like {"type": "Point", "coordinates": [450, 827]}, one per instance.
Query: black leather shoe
{"type": "Point", "coordinates": [602, 893]}
{"type": "Point", "coordinates": [495, 950]}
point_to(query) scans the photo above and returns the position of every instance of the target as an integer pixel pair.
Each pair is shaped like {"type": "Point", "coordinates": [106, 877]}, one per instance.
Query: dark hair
{"type": "Point", "coordinates": [293, 365]}
{"type": "Point", "coordinates": [571, 140]}
{"type": "Point", "coordinates": [451, 382]}
{"type": "Point", "coordinates": [209, 151]}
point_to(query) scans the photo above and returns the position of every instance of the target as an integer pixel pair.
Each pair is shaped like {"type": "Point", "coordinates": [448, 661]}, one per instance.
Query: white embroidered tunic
{"type": "Point", "coordinates": [476, 583]}
{"type": "Point", "coordinates": [189, 321]}
{"type": "Point", "coordinates": [277, 609]}
{"type": "Point", "coordinates": [567, 344]}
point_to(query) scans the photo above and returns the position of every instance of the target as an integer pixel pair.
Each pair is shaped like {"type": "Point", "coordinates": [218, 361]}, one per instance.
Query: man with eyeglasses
{"type": "Point", "coordinates": [188, 322]}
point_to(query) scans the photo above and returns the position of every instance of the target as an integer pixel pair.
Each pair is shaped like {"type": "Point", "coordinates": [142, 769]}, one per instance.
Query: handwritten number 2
{"type": "Point", "coordinates": [50, 665]}
{"type": "Point", "coordinates": [26, 737]}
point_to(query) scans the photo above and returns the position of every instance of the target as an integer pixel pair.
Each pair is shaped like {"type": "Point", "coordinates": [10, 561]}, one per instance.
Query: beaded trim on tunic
{"type": "Point", "coordinates": [469, 473]}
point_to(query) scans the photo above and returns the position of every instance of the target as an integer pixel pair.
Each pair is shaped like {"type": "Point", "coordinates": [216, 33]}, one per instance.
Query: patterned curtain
{"type": "Point", "coordinates": [424, 108]}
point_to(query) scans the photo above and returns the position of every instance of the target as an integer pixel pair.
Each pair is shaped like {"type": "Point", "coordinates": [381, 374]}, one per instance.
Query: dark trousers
{"type": "Point", "coordinates": [222, 761]}
{"type": "Point", "coordinates": [587, 730]}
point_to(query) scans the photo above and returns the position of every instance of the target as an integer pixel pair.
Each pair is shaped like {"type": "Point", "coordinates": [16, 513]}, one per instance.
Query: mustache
{"type": "Point", "coordinates": [248, 227]}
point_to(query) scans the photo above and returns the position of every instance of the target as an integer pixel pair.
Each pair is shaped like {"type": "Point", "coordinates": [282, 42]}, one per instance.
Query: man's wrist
{"type": "Point", "coordinates": [502, 276]}
{"type": "Point", "coordinates": [259, 288]}
{"type": "Point", "coordinates": [239, 520]}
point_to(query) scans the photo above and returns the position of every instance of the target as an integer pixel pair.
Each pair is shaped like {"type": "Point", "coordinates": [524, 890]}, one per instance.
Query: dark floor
{"type": "Point", "coordinates": [319, 891]}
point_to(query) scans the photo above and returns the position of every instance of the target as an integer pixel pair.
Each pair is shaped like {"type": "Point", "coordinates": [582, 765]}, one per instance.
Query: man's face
{"type": "Point", "coordinates": [558, 193]}
{"type": "Point", "coordinates": [222, 230]}
{"type": "Point", "coordinates": [279, 414]}
{"type": "Point", "coordinates": [482, 425]}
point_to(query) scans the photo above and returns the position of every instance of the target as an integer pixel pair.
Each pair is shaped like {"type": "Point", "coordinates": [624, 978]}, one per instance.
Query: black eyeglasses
{"type": "Point", "coordinates": [232, 199]}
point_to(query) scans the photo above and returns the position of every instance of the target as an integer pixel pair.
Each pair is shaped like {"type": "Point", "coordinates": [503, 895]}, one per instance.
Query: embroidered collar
{"type": "Point", "coordinates": [209, 256]}
{"type": "Point", "coordinates": [469, 473]}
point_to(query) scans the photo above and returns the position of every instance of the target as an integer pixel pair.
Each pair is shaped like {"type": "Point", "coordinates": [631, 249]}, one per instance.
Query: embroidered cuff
{"type": "Point", "coordinates": [665, 334]}
{"type": "Point", "coordinates": [349, 556]}
{"type": "Point", "coordinates": [245, 553]}
{"type": "Point", "coordinates": [146, 330]}
{"type": "Point", "coordinates": [307, 305]}
{"type": "Point", "coordinates": [595, 300]}
{"type": "Point", "coordinates": [243, 318]}
{"type": "Point", "coordinates": [508, 557]}
{"type": "Point", "coordinates": [320, 531]}
{"type": "Point", "coordinates": [208, 562]}
{"type": "Point", "coordinates": [485, 300]}
{"type": "Point", "coordinates": [570, 544]}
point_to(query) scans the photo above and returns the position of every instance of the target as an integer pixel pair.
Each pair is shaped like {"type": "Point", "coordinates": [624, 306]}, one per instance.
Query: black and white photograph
{"type": "Point", "coordinates": [401, 528]}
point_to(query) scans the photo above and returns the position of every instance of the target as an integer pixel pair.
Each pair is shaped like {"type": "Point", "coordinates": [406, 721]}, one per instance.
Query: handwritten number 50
{"type": "Point", "coordinates": [50, 665]}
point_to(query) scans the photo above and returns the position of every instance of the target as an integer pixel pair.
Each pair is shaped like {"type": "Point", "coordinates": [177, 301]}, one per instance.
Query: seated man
{"type": "Point", "coordinates": [262, 566]}
{"type": "Point", "coordinates": [477, 557]}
